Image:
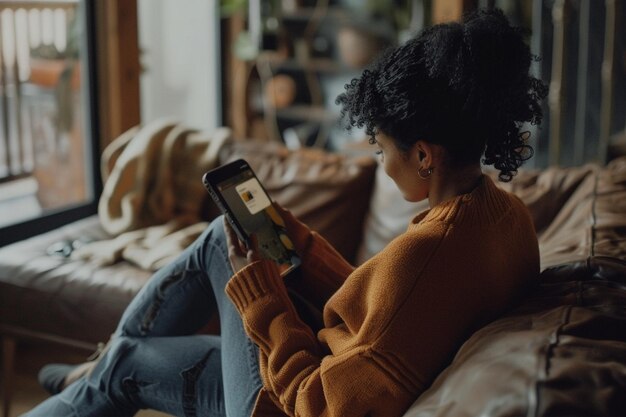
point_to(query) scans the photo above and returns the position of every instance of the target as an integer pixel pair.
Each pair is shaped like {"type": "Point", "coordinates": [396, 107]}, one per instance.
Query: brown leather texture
{"type": "Point", "coordinates": [58, 296]}
{"type": "Point", "coordinates": [579, 213]}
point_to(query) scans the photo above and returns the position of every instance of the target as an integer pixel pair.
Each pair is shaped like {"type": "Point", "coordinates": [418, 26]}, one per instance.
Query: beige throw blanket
{"type": "Point", "coordinates": [153, 193]}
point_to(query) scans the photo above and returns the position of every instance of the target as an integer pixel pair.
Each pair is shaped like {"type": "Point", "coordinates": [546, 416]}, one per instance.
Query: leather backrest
{"type": "Point", "coordinates": [579, 212]}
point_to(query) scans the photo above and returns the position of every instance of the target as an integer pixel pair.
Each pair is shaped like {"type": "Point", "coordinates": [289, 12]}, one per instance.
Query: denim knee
{"type": "Point", "coordinates": [211, 242]}
{"type": "Point", "coordinates": [168, 374]}
{"type": "Point", "coordinates": [109, 376]}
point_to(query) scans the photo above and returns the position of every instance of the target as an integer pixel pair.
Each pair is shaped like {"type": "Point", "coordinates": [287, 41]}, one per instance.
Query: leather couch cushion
{"type": "Point", "coordinates": [562, 352]}
{"type": "Point", "coordinates": [591, 222]}
{"type": "Point", "coordinates": [388, 216]}
{"type": "Point", "coordinates": [578, 212]}
{"type": "Point", "coordinates": [63, 297]}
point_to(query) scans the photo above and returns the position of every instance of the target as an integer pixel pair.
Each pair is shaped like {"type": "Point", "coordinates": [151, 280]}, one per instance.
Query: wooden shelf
{"type": "Point", "coordinates": [290, 51]}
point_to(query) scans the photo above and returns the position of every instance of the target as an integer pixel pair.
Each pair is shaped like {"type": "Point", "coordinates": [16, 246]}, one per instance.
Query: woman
{"type": "Point", "coordinates": [433, 107]}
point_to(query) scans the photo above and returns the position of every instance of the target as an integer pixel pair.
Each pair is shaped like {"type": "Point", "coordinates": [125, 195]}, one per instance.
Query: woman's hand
{"type": "Point", "coordinates": [297, 231]}
{"type": "Point", "coordinates": [238, 254]}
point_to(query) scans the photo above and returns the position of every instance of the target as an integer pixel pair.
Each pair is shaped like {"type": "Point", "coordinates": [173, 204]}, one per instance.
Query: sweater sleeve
{"type": "Point", "coordinates": [323, 268]}
{"type": "Point", "coordinates": [294, 369]}
{"type": "Point", "coordinates": [314, 249]}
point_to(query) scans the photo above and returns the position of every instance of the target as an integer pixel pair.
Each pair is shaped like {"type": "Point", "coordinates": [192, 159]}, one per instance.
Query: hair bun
{"type": "Point", "coordinates": [495, 55]}
{"type": "Point", "coordinates": [464, 86]}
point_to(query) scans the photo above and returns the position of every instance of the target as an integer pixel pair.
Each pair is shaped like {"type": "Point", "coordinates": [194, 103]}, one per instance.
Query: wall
{"type": "Point", "coordinates": [179, 42]}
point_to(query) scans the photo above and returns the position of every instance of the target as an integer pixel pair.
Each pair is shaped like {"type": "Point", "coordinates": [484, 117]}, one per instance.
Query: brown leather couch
{"type": "Point", "coordinates": [560, 352]}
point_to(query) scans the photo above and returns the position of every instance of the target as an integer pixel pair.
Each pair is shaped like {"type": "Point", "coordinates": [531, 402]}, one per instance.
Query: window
{"type": "Point", "coordinates": [48, 173]}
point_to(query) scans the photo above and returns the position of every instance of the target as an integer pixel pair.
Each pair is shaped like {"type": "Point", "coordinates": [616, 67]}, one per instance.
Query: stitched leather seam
{"type": "Point", "coordinates": [553, 341]}
{"type": "Point", "coordinates": [593, 215]}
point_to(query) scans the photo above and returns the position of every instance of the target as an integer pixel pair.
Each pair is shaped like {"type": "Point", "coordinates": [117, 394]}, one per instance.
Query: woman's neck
{"type": "Point", "coordinates": [447, 183]}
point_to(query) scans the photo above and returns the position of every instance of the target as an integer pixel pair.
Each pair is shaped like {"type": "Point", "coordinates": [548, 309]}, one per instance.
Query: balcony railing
{"type": "Point", "coordinates": [40, 132]}
{"type": "Point", "coordinates": [27, 26]}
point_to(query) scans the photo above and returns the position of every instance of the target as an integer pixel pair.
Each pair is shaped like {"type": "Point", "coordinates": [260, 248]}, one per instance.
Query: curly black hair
{"type": "Point", "coordinates": [465, 86]}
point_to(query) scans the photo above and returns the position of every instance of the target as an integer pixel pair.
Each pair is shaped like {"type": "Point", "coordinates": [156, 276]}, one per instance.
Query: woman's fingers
{"type": "Point", "coordinates": [253, 250]}
{"type": "Point", "coordinates": [234, 245]}
{"type": "Point", "coordinates": [285, 214]}
{"type": "Point", "coordinates": [280, 209]}
{"type": "Point", "coordinates": [237, 257]}
{"type": "Point", "coordinates": [238, 254]}
{"type": "Point", "coordinates": [242, 245]}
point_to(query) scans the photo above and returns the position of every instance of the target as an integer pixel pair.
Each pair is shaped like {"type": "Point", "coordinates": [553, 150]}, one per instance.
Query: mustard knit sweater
{"type": "Point", "coordinates": [393, 323]}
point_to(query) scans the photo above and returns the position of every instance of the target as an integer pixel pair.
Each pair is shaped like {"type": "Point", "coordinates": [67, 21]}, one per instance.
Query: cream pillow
{"type": "Point", "coordinates": [389, 216]}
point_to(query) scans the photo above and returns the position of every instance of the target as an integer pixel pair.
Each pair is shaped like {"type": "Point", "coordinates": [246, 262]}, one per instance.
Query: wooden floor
{"type": "Point", "coordinates": [30, 358]}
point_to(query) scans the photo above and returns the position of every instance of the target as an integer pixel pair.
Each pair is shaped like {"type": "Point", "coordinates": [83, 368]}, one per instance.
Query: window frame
{"type": "Point", "coordinates": [49, 221]}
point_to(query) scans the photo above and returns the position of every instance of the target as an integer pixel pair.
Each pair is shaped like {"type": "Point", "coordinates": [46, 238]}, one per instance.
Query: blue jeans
{"type": "Point", "coordinates": [157, 361]}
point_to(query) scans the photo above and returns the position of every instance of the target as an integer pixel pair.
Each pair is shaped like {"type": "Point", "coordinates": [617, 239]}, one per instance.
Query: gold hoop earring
{"type": "Point", "coordinates": [425, 173]}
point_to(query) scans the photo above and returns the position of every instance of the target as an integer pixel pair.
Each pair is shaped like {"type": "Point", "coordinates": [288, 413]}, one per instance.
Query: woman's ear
{"type": "Point", "coordinates": [423, 153]}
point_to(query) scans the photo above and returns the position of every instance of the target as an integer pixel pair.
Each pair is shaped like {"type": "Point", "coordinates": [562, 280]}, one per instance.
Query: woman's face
{"type": "Point", "coordinates": [402, 168]}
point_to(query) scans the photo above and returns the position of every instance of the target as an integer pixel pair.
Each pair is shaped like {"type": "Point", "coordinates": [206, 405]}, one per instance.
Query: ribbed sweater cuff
{"type": "Point", "coordinates": [253, 282]}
